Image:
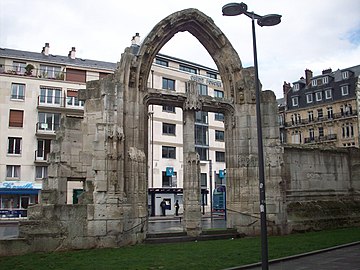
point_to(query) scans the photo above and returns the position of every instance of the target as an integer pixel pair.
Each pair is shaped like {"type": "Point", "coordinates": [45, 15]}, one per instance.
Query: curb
{"type": "Point", "coordinates": [288, 258]}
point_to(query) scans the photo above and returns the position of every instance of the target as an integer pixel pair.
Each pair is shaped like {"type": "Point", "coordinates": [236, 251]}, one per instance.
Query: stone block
{"type": "Point", "coordinates": [96, 227]}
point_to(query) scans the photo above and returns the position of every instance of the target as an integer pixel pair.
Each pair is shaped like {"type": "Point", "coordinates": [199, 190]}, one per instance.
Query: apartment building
{"type": "Point", "coordinates": [322, 109]}
{"type": "Point", "coordinates": [37, 89]}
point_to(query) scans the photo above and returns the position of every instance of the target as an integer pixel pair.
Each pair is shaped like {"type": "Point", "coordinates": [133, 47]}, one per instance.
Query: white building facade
{"type": "Point", "coordinates": [37, 89]}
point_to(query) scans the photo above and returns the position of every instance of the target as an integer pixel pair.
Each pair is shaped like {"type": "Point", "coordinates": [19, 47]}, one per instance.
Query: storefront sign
{"type": "Point", "coordinates": [169, 171]}
{"type": "Point", "coordinates": [204, 80]}
{"type": "Point", "coordinates": [19, 185]}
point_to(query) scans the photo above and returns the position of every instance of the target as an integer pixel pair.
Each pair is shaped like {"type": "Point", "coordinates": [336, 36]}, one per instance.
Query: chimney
{"type": "Point", "coordinates": [326, 71]}
{"type": "Point", "coordinates": [45, 50]}
{"type": "Point", "coordinates": [136, 40]}
{"type": "Point", "coordinates": [308, 76]}
{"type": "Point", "coordinates": [72, 53]}
{"type": "Point", "coordinates": [286, 88]}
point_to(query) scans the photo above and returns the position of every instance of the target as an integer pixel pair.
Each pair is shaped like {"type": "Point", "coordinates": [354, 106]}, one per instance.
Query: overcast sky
{"type": "Point", "coordinates": [313, 34]}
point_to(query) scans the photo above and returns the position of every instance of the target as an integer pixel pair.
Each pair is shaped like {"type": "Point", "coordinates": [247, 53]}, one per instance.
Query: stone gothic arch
{"type": "Point", "coordinates": [108, 149]}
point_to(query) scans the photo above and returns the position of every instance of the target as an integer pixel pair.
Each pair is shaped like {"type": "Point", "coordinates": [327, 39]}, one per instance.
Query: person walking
{"type": "Point", "coordinates": [163, 207]}
{"type": "Point", "coordinates": [177, 208]}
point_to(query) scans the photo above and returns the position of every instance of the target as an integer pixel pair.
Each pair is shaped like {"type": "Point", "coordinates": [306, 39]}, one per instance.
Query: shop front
{"type": "Point", "coordinates": [16, 196]}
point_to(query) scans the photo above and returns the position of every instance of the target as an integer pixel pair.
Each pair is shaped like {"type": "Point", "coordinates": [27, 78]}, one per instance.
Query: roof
{"type": "Point", "coordinates": [59, 59]}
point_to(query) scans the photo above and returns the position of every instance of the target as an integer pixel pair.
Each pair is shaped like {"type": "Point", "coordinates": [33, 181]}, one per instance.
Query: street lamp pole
{"type": "Point", "coordinates": [234, 9]}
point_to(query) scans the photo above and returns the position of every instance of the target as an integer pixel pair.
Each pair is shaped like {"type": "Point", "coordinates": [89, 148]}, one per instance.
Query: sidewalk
{"type": "Point", "coordinates": [344, 257]}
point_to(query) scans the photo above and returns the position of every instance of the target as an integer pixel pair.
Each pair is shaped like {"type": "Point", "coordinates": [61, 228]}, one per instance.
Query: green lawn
{"type": "Point", "coordinates": [216, 254]}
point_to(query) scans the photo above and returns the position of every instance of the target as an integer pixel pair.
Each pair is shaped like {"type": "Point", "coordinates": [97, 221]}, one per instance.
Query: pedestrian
{"type": "Point", "coordinates": [177, 208]}
{"type": "Point", "coordinates": [163, 207]}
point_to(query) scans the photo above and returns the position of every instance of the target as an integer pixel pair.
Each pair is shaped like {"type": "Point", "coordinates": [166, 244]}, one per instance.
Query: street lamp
{"type": "Point", "coordinates": [234, 9]}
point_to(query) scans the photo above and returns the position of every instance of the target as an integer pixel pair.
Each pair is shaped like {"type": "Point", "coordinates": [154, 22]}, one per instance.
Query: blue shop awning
{"type": "Point", "coordinates": [19, 191]}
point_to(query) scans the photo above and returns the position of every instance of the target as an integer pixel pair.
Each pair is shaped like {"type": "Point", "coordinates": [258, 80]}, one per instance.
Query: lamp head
{"type": "Point", "coordinates": [269, 20]}
{"type": "Point", "coordinates": [234, 9]}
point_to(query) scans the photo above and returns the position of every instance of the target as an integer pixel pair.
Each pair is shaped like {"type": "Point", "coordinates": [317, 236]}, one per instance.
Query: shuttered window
{"type": "Point", "coordinates": [16, 118]}
{"type": "Point", "coordinates": [75, 75]}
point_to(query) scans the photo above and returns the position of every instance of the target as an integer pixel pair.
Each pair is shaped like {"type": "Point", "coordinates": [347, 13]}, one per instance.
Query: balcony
{"type": "Point", "coordinates": [63, 102]}
{"type": "Point", "coordinates": [321, 139]}
{"type": "Point", "coordinates": [46, 128]}
{"type": "Point", "coordinates": [316, 120]}
{"type": "Point", "coordinates": [54, 74]}
{"type": "Point", "coordinates": [41, 156]}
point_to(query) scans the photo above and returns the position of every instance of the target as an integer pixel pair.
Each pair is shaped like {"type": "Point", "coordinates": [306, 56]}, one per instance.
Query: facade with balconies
{"type": "Point", "coordinates": [323, 109]}
{"type": "Point", "coordinates": [36, 91]}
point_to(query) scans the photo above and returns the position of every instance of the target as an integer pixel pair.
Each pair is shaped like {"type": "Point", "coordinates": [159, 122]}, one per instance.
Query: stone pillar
{"type": "Point", "coordinates": [191, 182]}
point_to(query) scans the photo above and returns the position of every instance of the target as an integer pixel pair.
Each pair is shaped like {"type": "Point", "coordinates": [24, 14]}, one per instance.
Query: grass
{"type": "Point", "coordinates": [217, 254]}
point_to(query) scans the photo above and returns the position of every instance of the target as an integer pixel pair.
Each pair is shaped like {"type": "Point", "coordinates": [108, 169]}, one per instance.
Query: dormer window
{"type": "Point", "coordinates": [318, 96]}
{"type": "Point", "coordinates": [345, 75]}
{"type": "Point", "coordinates": [309, 98]}
{"type": "Point", "coordinates": [344, 90]}
{"type": "Point", "coordinates": [296, 87]}
{"type": "Point", "coordinates": [295, 101]}
{"type": "Point", "coordinates": [325, 80]}
{"type": "Point", "coordinates": [314, 83]}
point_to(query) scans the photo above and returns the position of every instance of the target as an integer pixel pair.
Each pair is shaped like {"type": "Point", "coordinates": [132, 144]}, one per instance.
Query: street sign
{"type": "Point", "coordinates": [169, 171]}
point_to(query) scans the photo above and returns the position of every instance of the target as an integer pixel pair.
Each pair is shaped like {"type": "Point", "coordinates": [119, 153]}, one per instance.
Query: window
{"type": "Point", "coordinates": [41, 172]}
{"type": "Point", "coordinates": [16, 118]}
{"type": "Point", "coordinates": [201, 117]}
{"type": "Point", "coordinates": [346, 109]}
{"type": "Point", "coordinates": [211, 75]}
{"type": "Point", "coordinates": [328, 94]}
{"type": "Point", "coordinates": [325, 80]}
{"type": "Point", "coordinates": [14, 145]}
{"type": "Point", "coordinates": [43, 149]}
{"type": "Point", "coordinates": [169, 129]}
{"type": "Point", "coordinates": [219, 156]}
{"type": "Point", "coordinates": [49, 121]}
{"type": "Point", "coordinates": [203, 152]}
{"type": "Point", "coordinates": [218, 94]}
{"type": "Point", "coordinates": [345, 75]}
{"type": "Point", "coordinates": [296, 118]}
{"type": "Point", "coordinates": [318, 96]}
{"type": "Point", "coordinates": [188, 69]}
{"type": "Point", "coordinates": [74, 75]}
{"type": "Point", "coordinates": [296, 87]}
{"type": "Point", "coordinates": [18, 91]}
{"type": "Point", "coordinates": [314, 83]}
{"type": "Point", "coordinates": [344, 90]}
{"type": "Point", "coordinates": [51, 72]}
{"type": "Point", "coordinates": [169, 109]}
{"type": "Point", "coordinates": [219, 116]}
{"type": "Point", "coordinates": [330, 113]}
{"type": "Point", "coordinates": [19, 67]}
{"type": "Point", "coordinates": [50, 96]}
{"type": "Point", "coordinates": [311, 116]}
{"type": "Point", "coordinates": [169, 181]}
{"type": "Point", "coordinates": [296, 137]}
{"type": "Point", "coordinates": [347, 130]}
{"type": "Point", "coordinates": [169, 152]}
{"type": "Point", "coordinates": [203, 180]}
{"type": "Point", "coordinates": [309, 98]}
{"type": "Point", "coordinates": [73, 100]}
{"type": "Point", "coordinates": [161, 62]}
{"type": "Point", "coordinates": [202, 89]}
{"type": "Point", "coordinates": [168, 84]}
{"type": "Point", "coordinates": [295, 101]}
{"type": "Point", "coordinates": [13, 171]}
{"type": "Point", "coordinates": [311, 134]}
{"type": "Point", "coordinates": [320, 113]}
{"type": "Point", "coordinates": [321, 132]}
{"type": "Point", "coordinates": [201, 135]}
{"type": "Point", "coordinates": [219, 135]}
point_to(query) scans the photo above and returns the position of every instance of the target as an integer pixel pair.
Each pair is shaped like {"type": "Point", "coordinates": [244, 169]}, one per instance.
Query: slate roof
{"type": "Point", "coordinates": [59, 59]}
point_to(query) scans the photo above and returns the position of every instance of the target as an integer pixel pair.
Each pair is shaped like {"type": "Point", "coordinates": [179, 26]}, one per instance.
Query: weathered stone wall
{"type": "Point", "coordinates": [321, 187]}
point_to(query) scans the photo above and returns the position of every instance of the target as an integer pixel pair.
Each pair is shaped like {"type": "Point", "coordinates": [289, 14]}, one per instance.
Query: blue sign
{"type": "Point", "coordinates": [221, 174]}
{"type": "Point", "coordinates": [169, 171]}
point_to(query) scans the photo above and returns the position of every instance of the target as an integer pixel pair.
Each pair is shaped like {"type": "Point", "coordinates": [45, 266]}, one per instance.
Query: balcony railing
{"type": "Point", "coordinates": [60, 102]}
{"type": "Point", "coordinates": [321, 139]}
{"type": "Point", "coordinates": [315, 120]}
{"type": "Point", "coordinates": [35, 72]}
{"type": "Point", "coordinates": [47, 128]}
{"type": "Point", "coordinates": [41, 156]}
